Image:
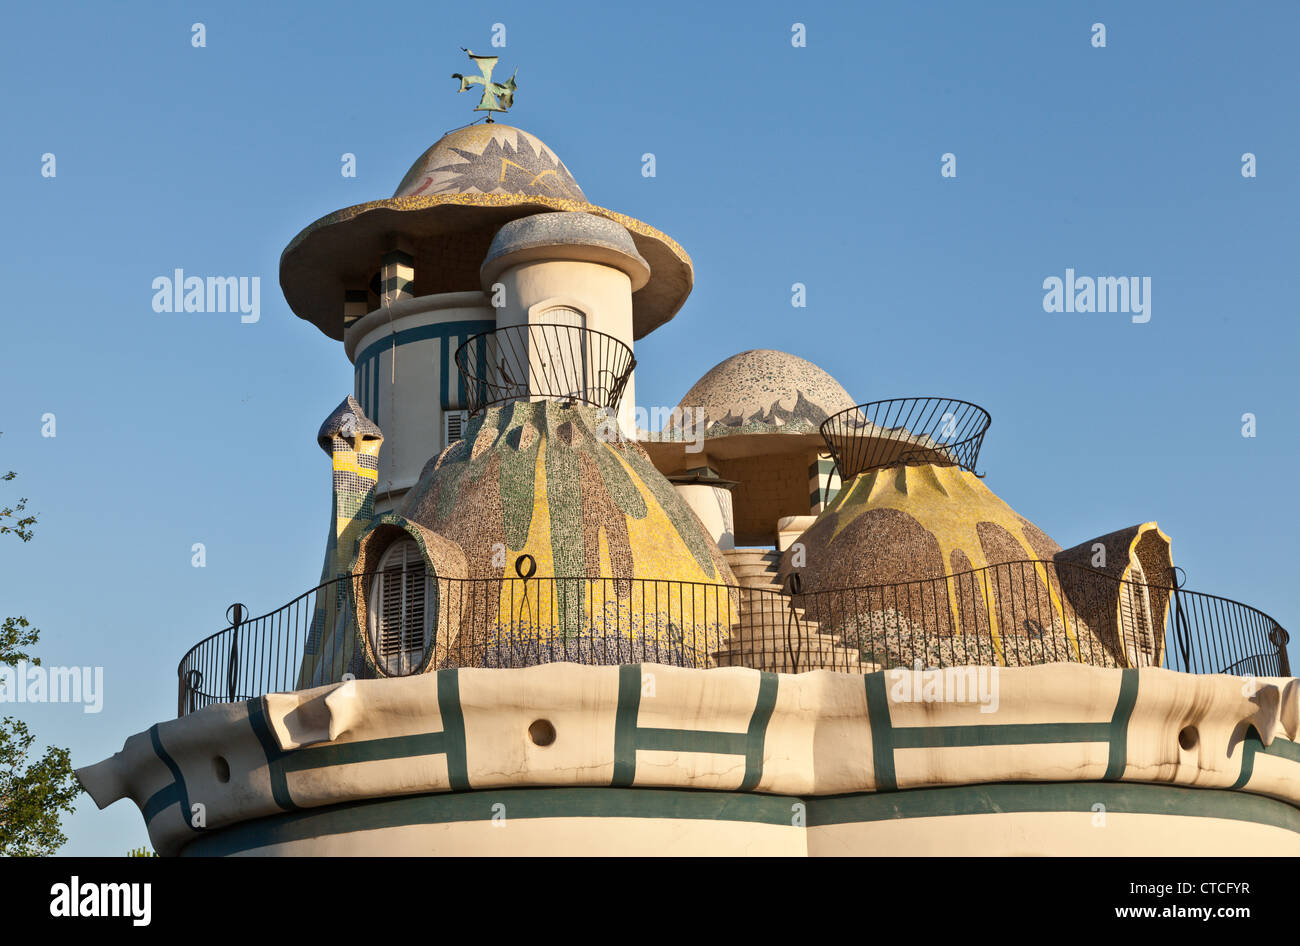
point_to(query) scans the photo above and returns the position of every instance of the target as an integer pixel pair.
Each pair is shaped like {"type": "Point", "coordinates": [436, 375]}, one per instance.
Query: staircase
{"type": "Point", "coordinates": [759, 639]}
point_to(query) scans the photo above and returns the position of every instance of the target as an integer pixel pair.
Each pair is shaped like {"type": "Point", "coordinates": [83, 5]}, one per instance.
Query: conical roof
{"type": "Point", "coordinates": [448, 208]}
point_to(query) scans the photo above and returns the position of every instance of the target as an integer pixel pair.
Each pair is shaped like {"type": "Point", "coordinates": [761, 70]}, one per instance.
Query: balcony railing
{"type": "Point", "coordinates": [544, 361]}
{"type": "Point", "coordinates": [905, 430]}
{"type": "Point", "coordinates": [1013, 614]}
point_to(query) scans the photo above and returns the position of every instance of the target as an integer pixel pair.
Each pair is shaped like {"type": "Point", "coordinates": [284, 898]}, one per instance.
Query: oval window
{"type": "Point", "coordinates": [403, 606]}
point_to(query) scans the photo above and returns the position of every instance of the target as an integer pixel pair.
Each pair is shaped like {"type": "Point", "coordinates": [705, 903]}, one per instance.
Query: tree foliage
{"type": "Point", "coordinates": [33, 795]}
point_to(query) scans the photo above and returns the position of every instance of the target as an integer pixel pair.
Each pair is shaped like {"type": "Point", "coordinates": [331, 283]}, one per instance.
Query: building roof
{"type": "Point", "coordinates": [755, 402]}
{"type": "Point", "coordinates": [766, 391]}
{"type": "Point", "coordinates": [448, 208]}
{"type": "Point", "coordinates": [347, 420]}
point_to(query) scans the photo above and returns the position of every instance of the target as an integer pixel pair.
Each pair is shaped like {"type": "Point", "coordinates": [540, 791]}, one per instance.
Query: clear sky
{"type": "Point", "coordinates": [775, 165]}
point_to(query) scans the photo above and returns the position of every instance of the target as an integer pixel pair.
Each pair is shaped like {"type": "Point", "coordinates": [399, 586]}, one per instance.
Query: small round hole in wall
{"type": "Point", "coordinates": [222, 768]}
{"type": "Point", "coordinates": [1187, 738]}
{"type": "Point", "coordinates": [541, 732]}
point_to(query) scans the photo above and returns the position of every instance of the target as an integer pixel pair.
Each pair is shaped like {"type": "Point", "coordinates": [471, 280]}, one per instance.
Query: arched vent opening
{"type": "Point", "coordinates": [403, 606]}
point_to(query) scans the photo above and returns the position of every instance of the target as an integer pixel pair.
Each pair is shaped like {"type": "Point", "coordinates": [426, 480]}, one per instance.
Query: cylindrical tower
{"type": "Point", "coordinates": [403, 282]}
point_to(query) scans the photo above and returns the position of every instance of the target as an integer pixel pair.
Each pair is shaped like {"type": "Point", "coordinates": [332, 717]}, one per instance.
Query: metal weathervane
{"type": "Point", "coordinates": [497, 96]}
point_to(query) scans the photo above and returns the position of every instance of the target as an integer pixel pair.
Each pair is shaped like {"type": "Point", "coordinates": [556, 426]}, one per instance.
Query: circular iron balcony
{"type": "Point", "coordinates": [543, 360]}
{"type": "Point", "coordinates": [905, 430]}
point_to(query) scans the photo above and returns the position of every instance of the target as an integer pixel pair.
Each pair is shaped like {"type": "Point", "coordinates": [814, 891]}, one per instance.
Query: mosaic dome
{"type": "Point", "coordinates": [889, 530]}
{"type": "Point", "coordinates": [577, 236]}
{"type": "Point", "coordinates": [765, 391]}
{"type": "Point", "coordinates": [448, 208]}
{"type": "Point", "coordinates": [544, 480]}
{"type": "Point", "coordinates": [913, 522]}
{"type": "Point", "coordinates": [489, 159]}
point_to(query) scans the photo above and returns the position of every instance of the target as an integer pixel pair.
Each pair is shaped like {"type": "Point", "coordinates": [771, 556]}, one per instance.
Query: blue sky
{"type": "Point", "coordinates": [775, 165]}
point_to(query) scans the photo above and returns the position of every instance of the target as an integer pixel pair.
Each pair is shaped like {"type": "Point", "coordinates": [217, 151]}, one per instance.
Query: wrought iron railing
{"type": "Point", "coordinates": [1034, 612]}
{"type": "Point", "coordinates": [541, 360]}
{"type": "Point", "coordinates": [1011, 614]}
{"type": "Point", "coordinates": [905, 430]}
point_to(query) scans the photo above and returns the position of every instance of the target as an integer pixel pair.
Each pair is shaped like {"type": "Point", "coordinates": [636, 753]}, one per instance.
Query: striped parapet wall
{"type": "Point", "coordinates": [646, 759]}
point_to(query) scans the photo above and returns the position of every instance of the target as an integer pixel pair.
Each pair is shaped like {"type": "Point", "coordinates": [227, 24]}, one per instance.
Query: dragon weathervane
{"type": "Point", "coordinates": [497, 96]}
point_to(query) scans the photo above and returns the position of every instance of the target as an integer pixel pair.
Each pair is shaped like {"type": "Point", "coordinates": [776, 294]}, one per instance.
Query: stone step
{"type": "Point", "coordinates": [759, 589]}
{"type": "Point", "coordinates": [842, 661]}
{"type": "Point", "coordinates": [751, 556]}
{"type": "Point", "coordinates": [775, 637]}
{"type": "Point", "coordinates": [766, 612]}
{"type": "Point", "coordinates": [772, 627]}
{"type": "Point", "coordinates": [746, 570]}
{"type": "Point", "coordinates": [778, 641]}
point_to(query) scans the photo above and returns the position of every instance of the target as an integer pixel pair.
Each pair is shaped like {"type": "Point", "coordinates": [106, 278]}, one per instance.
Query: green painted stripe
{"type": "Point", "coordinates": [274, 754]}
{"type": "Point", "coordinates": [757, 736]}
{"type": "Point", "coordinates": [371, 750]}
{"type": "Point", "coordinates": [1249, 747]}
{"type": "Point", "coordinates": [453, 729]}
{"type": "Point", "coordinates": [625, 728]}
{"type": "Point", "coordinates": [1252, 746]}
{"type": "Point", "coordinates": [1012, 734]}
{"type": "Point", "coordinates": [1003, 798]}
{"type": "Point", "coordinates": [519, 804]}
{"type": "Point", "coordinates": [420, 333]}
{"type": "Point", "coordinates": [882, 741]}
{"type": "Point", "coordinates": [692, 740]}
{"type": "Point", "coordinates": [177, 789]}
{"type": "Point", "coordinates": [1128, 690]}
{"type": "Point", "coordinates": [160, 800]}
{"type": "Point", "coordinates": [684, 804]}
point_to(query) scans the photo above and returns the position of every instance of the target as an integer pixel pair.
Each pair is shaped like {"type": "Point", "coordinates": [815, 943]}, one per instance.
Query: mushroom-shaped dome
{"type": "Point", "coordinates": [556, 484]}
{"type": "Point", "coordinates": [447, 209]}
{"type": "Point", "coordinates": [567, 236]}
{"type": "Point", "coordinates": [913, 522]}
{"type": "Point", "coordinates": [489, 159]}
{"type": "Point", "coordinates": [757, 402]}
{"type": "Point", "coordinates": [765, 391]}
{"type": "Point", "coordinates": [924, 562]}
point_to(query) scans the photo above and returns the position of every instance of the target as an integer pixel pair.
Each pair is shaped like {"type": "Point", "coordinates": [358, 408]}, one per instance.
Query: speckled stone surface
{"type": "Point", "coordinates": [352, 440]}
{"type": "Point", "coordinates": [914, 522]}
{"type": "Point", "coordinates": [917, 522]}
{"type": "Point", "coordinates": [347, 421]}
{"type": "Point", "coordinates": [1140, 558]}
{"type": "Point", "coordinates": [545, 480]}
{"type": "Point", "coordinates": [563, 230]}
{"type": "Point", "coordinates": [489, 159]}
{"type": "Point", "coordinates": [765, 391]}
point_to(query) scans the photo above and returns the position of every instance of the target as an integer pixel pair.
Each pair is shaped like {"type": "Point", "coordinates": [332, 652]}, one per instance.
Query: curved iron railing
{"type": "Point", "coordinates": [542, 360]}
{"type": "Point", "coordinates": [1011, 614]}
{"type": "Point", "coordinates": [904, 430]}
{"type": "Point", "coordinates": [1034, 612]}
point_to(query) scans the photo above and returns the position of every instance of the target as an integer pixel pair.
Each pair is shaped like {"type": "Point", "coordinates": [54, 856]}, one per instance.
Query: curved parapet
{"type": "Point", "coordinates": [732, 761]}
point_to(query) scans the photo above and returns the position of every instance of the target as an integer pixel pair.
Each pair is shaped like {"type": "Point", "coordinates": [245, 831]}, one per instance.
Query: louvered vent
{"type": "Point", "coordinates": [400, 609]}
{"type": "Point", "coordinates": [453, 426]}
{"type": "Point", "coordinates": [1135, 608]}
